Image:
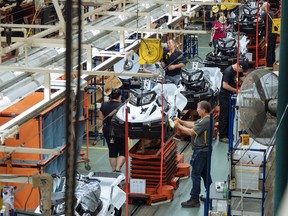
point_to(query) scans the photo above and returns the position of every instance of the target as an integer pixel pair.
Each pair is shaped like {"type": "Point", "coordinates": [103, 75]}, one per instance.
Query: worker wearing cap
{"type": "Point", "coordinates": [228, 87]}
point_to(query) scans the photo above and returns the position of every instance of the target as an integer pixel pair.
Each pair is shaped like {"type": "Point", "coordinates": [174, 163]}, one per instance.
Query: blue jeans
{"type": "Point", "coordinates": [224, 100]}
{"type": "Point", "coordinates": [199, 169]}
{"type": "Point", "coordinates": [215, 43]}
{"type": "Point", "coordinates": [173, 79]}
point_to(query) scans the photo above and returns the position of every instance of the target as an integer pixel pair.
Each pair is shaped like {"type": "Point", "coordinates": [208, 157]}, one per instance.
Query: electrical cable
{"type": "Point", "coordinates": [70, 157]}
{"type": "Point", "coordinates": [36, 14]}
{"type": "Point", "coordinates": [25, 205]}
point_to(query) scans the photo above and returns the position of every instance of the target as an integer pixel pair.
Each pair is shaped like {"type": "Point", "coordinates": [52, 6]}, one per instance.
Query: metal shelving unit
{"type": "Point", "coordinates": [250, 195]}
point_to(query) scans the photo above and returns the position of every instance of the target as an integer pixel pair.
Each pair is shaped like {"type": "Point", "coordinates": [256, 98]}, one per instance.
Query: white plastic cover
{"type": "Point", "coordinates": [214, 76]}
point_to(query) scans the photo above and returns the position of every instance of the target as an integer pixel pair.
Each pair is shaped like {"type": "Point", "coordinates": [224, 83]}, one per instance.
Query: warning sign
{"type": "Point", "coordinates": [276, 25]}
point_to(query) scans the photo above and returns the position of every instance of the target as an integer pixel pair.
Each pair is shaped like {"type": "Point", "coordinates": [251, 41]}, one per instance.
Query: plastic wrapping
{"type": "Point", "coordinates": [97, 193]}
{"type": "Point", "coordinates": [88, 196]}
{"type": "Point", "coordinates": [214, 76]}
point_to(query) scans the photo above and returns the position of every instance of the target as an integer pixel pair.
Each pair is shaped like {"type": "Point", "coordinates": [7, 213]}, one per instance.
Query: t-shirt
{"type": "Point", "coordinates": [106, 108]}
{"type": "Point", "coordinates": [229, 76]}
{"type": "Point", "coordinates": [270, 17]}
{"type": "Point", "coordinates": [18, 15]}
{"type": "Point", "coordinates": [219, 30]}
{"type": "Point", "coordinates": [202, 130]}
{"type": "Point", "coordinates": [172, 59]}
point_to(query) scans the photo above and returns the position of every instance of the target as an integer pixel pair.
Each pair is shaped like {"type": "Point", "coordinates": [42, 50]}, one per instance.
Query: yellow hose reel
{"type": "Point", "coordinates": [215, 9]}
{"type": "Point", "coordinates": [228, 7]}
{"type": "Point", "coordinates": [150, 51]}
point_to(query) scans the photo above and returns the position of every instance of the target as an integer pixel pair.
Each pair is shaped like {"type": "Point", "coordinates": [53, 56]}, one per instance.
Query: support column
{"type": "Point", "coordinates": [282, 135]}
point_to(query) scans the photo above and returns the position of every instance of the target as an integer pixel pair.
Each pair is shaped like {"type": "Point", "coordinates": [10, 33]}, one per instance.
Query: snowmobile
{"type": "Point", "coordinates": [247, 16]}
{"type": "Point", "coordinates": [225, 53]}
{"type": "Point", "coordinates": [96, 194]}
{"type": "Point", "coordinates": [201, 84]}
{"type": "Point", "coordinates": [145, 112]}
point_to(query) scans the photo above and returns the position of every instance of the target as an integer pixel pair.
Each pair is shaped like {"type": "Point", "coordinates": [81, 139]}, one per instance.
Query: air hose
{"type": "Point", "coordinates": [150, 51]}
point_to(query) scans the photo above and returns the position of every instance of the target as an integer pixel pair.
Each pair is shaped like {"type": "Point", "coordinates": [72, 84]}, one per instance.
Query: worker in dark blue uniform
{"type": "Point", "coordinates": [172, 62]}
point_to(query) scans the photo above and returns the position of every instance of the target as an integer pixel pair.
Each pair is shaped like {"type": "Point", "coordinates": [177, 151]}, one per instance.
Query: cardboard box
{"type": "Point", "coordinates": [276, 66]}
{"type": "Point", "coordinates": [244, 139]}
{"type": "Point", "coordinates": [247, 177]}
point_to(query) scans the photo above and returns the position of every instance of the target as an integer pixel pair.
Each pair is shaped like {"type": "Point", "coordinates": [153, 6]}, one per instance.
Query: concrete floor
{"type": "Point", "coordinates": [98, 156]}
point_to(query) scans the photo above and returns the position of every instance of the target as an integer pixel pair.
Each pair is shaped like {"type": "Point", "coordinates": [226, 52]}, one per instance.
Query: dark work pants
{"type": "Point", "coordinates": [117, 148]}
{"type": "Point", "coordinates": [224, 101]}
{"type": "Point", "coordinates": [199, 169]}
{"type": "Point", "coordinates": [271, 46]}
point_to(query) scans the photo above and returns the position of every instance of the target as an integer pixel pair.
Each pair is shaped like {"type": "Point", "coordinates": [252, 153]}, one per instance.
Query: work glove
{"type": "Point", "coordinates": [210, 44]}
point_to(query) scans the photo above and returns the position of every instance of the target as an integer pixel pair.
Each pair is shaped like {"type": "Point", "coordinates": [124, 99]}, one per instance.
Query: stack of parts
{"type": "Point", "coordinates": [145, 164]}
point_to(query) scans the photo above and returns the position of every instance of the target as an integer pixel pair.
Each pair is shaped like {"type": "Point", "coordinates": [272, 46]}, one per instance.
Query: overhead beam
{"type": "Point", "coordinates": [15, 179]}
{"type": "Point", "coordinates": [119, 13]}
{"type": "Point", "coordinates": [59, 14]}
{"type": "Point", "coordinates": [168, 2]}
{"type": "Point", "coordinates": [26, 26]}
{"type": "Point", "coordinates": [25, 150]}
{"type": "Point", "coordinates": [84, 72]}
{"type": "Point", "coordinates": [144, 30]}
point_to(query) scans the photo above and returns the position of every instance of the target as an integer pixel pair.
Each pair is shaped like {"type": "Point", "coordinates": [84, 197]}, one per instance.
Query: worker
{"type": "Point", "coordinates": [219, 28]}
{"type": "Point", "coordinates": [17, 14]}
{"type": "Point", "coordinates": [228, 88]}
{"type": "Point", "coordinates": [199, 132]}
{"type": "Point", "coordinates": [172, 62]}
{"type": "Point", "coordinates": [116, 145]}
{"type": "Point", "coordinates": [5, 3]}
{"type": "Point", "coordinates": [271, 42]}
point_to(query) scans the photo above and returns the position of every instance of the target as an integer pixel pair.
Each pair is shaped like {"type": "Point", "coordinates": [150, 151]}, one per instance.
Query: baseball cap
{"type": "Point", "coordinates": [244, 64]}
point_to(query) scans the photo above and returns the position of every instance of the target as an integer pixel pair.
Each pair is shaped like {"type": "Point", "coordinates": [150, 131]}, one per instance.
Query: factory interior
{"type": "Point", "coordinates": [132, 107]}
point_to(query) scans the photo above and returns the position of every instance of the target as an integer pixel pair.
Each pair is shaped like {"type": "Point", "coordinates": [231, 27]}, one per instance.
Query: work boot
{"type": "Point", "coordinates": [224, 140]}
{"type": "Point", "coordinates": [202, 198]}
{"type": "Point", "coordinates": [191, 203]}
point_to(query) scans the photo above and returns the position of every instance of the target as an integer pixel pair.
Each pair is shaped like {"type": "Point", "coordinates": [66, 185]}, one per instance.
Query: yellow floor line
{"type": "Point", "coordinates": [99, 148]}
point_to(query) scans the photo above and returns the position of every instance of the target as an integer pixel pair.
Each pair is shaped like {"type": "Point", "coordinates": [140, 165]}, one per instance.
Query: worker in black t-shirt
{"type": "Point", "coordinates": [172, 62]}
{"type": "Point", "coordinates": [17, 13]}
{"type": "Point", "coordinates": [116, 145]}
{"type": "Point", "coordinates": [228, 88]}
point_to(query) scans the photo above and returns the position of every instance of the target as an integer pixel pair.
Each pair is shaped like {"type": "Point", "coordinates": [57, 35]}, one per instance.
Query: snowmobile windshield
{"type": "Point", "coordinates": [141, 98]}
{"type": "Point", "coordinates": [227, 43]}
{"type": "Point", "coordinates": [191, 76]}
{"type": "Point", "coordinates": [250, 12]}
